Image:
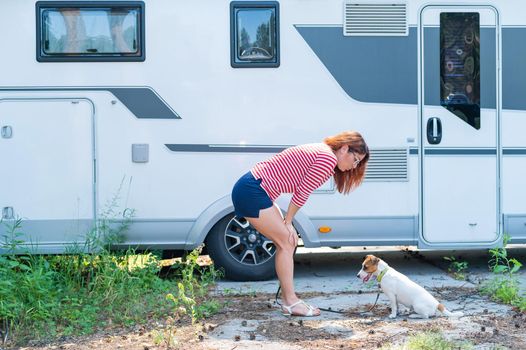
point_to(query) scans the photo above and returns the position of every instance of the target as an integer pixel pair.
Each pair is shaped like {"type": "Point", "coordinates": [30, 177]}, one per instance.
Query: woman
{"type": "Point", "coordinates": [298, 170]}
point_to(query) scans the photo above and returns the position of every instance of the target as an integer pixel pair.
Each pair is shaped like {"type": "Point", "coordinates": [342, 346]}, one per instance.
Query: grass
{"type": "Point", "coordinates": [46, 297]}
{"type": "Point", "coordinates": [457, 267]}
{"type": "Point", "coordinates": [191, 298]}
{"type": "Point", "coordinates": [504, 286]}
{"type": "Point", "coordinates": [430, 340]}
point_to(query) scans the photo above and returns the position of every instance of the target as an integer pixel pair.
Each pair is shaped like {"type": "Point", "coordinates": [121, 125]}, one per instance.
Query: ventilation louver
{"type": "Point", "coordinates": [386, 164]}
{"type": "Point", "coordinates": [375, 18]}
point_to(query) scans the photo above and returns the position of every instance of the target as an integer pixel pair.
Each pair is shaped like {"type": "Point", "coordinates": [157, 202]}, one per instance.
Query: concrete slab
{"type": "Point", "coordinates": [330, 271]}
{"type": "Point", "coordinates": [327, 278]}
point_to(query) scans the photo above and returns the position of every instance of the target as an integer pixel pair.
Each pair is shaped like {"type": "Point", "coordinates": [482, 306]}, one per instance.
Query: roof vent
{"type": "Point", "coordinates": [387, 164]}
{"type": "Point", "coordinates": [375, 19]}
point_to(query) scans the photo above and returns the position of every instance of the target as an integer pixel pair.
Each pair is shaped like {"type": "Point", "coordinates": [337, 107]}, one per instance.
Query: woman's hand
{"type": "Point", "coordinates": [293, 235]}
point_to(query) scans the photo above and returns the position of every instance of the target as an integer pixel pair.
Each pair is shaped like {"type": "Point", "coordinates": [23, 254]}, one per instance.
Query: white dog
{"type": "Point", "coordinates": [400, 289]}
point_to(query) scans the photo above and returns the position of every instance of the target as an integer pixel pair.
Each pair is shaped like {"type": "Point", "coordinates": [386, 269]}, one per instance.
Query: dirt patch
{"type": "Point", "coordinates": [507, 331]}
{"type": "Point", "coordinates": [254, 321]}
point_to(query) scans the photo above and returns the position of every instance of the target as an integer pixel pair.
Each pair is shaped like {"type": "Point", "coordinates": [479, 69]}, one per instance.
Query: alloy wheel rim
{"type": "Point", "coordinates": [246, 245]}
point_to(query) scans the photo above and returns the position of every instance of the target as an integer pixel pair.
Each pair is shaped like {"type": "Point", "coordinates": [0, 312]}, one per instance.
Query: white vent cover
{"type": "Point", "coordinates": [387, 164]}
{"type": "Point", "coordinates": [374, 18]}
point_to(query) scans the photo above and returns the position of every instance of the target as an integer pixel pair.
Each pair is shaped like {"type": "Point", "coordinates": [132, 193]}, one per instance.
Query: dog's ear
{"type": "Point", "coordinates": [375, 260]}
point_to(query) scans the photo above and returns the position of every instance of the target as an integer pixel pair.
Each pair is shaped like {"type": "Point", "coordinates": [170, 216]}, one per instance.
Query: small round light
{"type": "Point", "coordinates": [325, 229]}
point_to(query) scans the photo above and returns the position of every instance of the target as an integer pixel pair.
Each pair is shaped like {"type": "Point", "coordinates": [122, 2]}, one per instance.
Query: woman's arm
{"type": "Point", "coordinates": [291, 211]}
{"type": "Point", "coordinates": [319, 172]}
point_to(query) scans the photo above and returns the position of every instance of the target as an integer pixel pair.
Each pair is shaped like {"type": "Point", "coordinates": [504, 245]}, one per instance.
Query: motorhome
{"type": "Point", "coordinates": [180, 98]}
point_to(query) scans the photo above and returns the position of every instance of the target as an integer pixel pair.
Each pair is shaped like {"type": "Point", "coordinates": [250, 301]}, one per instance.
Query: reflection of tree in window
{"type": "Point", "coordinates": [261, 24]}
{"type": "Point", "coordinates": [265, 34]}
{"type": "Point", "coordinates": [244, 41]}
{"type": "Point", "coordinates": [262, 36]}
{"type": "Point", "coordinates": [272, 32]}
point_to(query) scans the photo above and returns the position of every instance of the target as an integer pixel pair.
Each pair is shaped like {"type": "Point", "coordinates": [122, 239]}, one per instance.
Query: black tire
{"type": "Point", "coordinates": [243, 253]}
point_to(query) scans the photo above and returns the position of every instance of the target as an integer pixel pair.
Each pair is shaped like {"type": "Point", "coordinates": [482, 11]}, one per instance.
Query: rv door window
{"type": "Point", "coordinates": [96, 31]}
{"type": "Point", "coordinates": [254, 34]}
{"type": "Point", "coordinates": [460, 65]}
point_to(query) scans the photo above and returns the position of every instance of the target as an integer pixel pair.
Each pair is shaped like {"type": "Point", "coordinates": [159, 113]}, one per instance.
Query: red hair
{"type": "Point", "coordinates": [347, 181]}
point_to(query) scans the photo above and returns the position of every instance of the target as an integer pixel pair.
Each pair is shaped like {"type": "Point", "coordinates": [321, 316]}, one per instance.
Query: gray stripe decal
{"type": "Point", "coordinates": [143, 102]}
{"type": "Point", "coordinates": [513, 79]}
{"type": "Point", "coordinates": [514, 151]}
{"type": "Point", "coordinates": [226, 148]}
{"type": "Point", "coordinates": [384, 69]}
{"type": "Point", "coordinates": [369, 69]}
{"type": "Point", "coordinates": [449, 151]}
{"type": "Point", "coordinates": [488, 66]}
{"type": "Point", "coordinates": [205, 148]}
{"type": "Point", "coordinates": [505, 151]}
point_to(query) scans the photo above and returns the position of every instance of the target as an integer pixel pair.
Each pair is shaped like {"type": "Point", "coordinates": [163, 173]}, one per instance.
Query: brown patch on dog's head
{"type": "Point", "coordinates": [370, 263]}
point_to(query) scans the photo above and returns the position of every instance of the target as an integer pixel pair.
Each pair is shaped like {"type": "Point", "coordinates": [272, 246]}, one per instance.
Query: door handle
{"type": "Point", "coordinates": [7, 132]}
{"type": "Point", "coordinates": [434, 130]}
{"type": "Point", "coordinates": [7, 213]}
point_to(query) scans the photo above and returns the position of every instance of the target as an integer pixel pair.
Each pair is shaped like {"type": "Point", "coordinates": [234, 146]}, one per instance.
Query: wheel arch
{"type": "Point", "coordinates": [223, 206]}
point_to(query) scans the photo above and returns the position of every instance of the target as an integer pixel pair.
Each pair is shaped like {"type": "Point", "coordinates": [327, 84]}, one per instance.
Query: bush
{"type": "Point", "coordinates": [44, 297]}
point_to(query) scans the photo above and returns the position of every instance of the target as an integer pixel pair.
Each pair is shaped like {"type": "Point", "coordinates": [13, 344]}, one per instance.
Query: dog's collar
{"type": "Point", "coordinates": [381, 275]}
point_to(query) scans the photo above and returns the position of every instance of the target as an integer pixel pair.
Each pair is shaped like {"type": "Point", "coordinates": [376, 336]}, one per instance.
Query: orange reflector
{"type": "Point", "coordinates": [325, 229]}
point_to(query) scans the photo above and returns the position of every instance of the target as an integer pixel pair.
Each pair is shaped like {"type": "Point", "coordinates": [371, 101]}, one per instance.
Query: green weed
{"type": "Point", "coordinates": [500, 263]}
{"type": "Point", "coordinates": [11, 240]}
{"type": "Point", "coordinates": [504, 286]}
{"type": "Point", "coordinates": [457, 267]}
{"type": "Point", "coordinates": [165, 337]}
{"type": "Point", "coordinates": [192, 290]}
{"type": "Point", "coordinates": [430, 340]}
{"type": "Point", "coordinates": [92, 287]}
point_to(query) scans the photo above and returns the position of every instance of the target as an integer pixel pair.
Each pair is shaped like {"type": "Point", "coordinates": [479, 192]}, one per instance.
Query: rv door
{"type": "Point", "coordinates": [459, 123]}
{"type": "Point", "coordinates": [47, 177]}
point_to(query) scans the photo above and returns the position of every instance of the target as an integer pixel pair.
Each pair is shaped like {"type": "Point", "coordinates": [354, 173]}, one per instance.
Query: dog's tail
{"type": "Point", "coordinates": [448, 313]}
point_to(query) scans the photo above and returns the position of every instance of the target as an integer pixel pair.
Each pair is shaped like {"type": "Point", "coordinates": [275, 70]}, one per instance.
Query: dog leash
{"type": "Point", "coordinates": [329, 309]}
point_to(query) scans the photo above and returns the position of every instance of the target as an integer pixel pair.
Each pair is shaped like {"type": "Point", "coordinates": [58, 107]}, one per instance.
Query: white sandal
{"type": "Point", "coordinates": [289, 312]}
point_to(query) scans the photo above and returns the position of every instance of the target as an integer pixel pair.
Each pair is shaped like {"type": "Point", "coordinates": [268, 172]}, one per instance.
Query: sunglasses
{"type": "Point", "coordinates": [357, 160]}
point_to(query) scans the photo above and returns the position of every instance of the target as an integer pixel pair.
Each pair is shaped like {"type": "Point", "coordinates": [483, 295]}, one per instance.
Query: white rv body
{"type": "Point", "coordinates": [69, 128]}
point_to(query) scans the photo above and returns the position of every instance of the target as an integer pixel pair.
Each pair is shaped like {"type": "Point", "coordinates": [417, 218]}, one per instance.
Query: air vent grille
{"type": "Point", "coordinates": [366, 19]}
{"type": "Point", "coordinates": [387, 164]}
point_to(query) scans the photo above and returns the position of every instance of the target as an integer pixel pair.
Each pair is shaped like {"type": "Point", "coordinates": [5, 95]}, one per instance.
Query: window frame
{"type": "Point", "coordinates": [235, 5]}
{"type": "Point", "coordinates": [115, 57]}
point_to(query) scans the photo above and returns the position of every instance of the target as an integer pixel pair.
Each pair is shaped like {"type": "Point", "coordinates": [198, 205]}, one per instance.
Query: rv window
{"type": "Point", "coordinates": [90, 31]}
{"type": "Point", "coordinates": [460, 65]}
{"type": "Point", "coordinates": [254, 34]}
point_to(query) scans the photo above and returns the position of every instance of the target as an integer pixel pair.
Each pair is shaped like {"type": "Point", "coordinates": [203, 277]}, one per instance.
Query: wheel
{"type": "Point", "coordinates": [241, 251]}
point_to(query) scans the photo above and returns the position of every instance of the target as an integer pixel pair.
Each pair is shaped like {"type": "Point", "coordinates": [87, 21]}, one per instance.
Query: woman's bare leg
{"type": "Point", "coordinates": [270, 223]}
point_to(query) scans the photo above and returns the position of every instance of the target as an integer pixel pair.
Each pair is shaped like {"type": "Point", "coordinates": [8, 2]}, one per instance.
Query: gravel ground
{"type": "Point", "coordinates": [251, 320]}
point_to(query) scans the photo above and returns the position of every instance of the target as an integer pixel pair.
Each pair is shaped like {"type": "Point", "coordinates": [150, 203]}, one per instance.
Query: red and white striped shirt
{"type": "Point", "coordinates": [298, 170]}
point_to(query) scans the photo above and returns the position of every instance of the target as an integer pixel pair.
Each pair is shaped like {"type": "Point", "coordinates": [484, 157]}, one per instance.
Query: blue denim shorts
{"type": "Point", "coordinates": [249, 197]}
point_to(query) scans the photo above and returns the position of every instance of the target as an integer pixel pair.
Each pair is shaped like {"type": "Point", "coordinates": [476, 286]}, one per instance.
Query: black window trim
{"type": "Point", "coordinates": [42, 5]}
{"type": "Point", "coordinates": [233, 37]}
